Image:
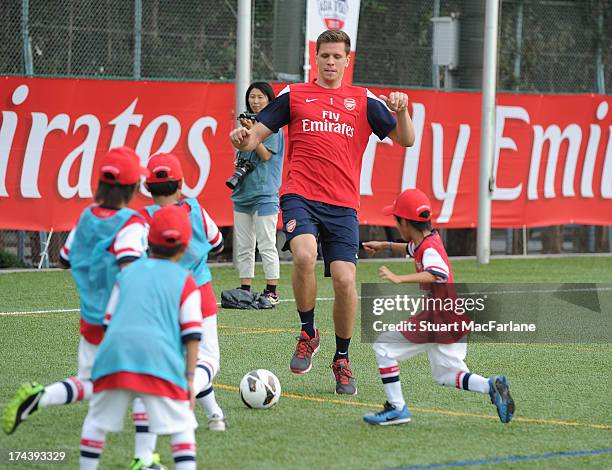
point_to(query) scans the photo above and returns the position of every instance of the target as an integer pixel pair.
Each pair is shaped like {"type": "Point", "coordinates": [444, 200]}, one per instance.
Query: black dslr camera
{"type": "Point", "coordinates": [249, 116]}
{"type": "Point", "coordinates": [241, 169]}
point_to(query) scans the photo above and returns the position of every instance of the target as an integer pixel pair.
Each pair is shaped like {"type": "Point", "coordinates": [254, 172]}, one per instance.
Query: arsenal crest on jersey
{"type": "Point", "coordinates": [333, 13]}
{"type": "Point", "coordinates": [350, 103]}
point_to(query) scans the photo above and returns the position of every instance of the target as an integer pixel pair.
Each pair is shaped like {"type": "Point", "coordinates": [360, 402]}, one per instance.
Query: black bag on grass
{"type": "Point", "coordinates": [244, 300]}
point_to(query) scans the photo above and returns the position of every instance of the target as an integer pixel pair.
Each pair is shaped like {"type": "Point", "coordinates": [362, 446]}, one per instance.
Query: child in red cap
{"type": "Point", "coordinates": [107, 237]}
{"type": "Point", "coordinates": [165, 183]}
{"type": "Point", "coordinates": [412, 212]}
{"type": "Point", "coordinates": [153, 328]}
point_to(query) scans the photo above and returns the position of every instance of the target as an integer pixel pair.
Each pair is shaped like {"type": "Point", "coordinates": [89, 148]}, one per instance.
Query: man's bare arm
{"type": "Point", "coordinates": [403, 133]}
{"type": "Point", "coordinates": [246, 140]}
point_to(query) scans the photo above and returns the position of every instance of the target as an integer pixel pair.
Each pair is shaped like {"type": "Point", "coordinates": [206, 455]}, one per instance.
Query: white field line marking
{"type": "Point", "coordinates": [374, 260]}
{"type": "Point", "coordinates": [542, 291]}
{"type": "Point", "coordinates": [34, 312]}
{"type": "Point", "coordinates": [71, 310]}
{"type": "Point", "coordinates": [327, 299]}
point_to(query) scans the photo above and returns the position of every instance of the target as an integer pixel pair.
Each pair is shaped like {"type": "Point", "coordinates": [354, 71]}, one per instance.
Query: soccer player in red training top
{"type": "Point", "coordinates": [446, 351]}
{"type": "Point", "coordinates": [329, 127]}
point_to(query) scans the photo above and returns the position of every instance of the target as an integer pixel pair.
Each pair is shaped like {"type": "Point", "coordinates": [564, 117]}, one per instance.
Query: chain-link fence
{"type": "Point", "coordinates": [545, 46]}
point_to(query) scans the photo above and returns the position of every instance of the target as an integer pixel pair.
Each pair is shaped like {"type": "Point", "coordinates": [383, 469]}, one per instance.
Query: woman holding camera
{"type": "Point", "coordinates": [255, 198]}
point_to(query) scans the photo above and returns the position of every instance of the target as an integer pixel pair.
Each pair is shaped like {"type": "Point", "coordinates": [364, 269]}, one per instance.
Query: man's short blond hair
{"type": "Point", "coordinates": [332, 35]}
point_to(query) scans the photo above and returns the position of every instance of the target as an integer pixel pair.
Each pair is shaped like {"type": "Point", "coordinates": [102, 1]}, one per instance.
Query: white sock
{"type": "Point", "coordinates": [202, 383]}
{"type": "Point", "coordinates": [144, 441]}
{"type": "Point", "coordinates": [477, 383]}
{"type": "Point", "coordinates": [67, 391]}
{"type": "Point", "coordinates": [206, 398]}
{"type": "Point", "coordinates": [389, 373]}
{"type": "Point", "coordinates": [92, 444]}
{"type": "Point", "coordinates": [395, 395]}
{"type": "Point", "coordinates": [465, 381]}
{"type": "Point", "coordinates": [184, 450]}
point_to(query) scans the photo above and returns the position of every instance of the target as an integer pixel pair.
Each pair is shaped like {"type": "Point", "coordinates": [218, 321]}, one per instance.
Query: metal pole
{"type": "Point", "coordinates": [25, 35]}
{"type": "Point", "coordinates": [45, 254]}
{"type": "Point", "coordinates": [20, 245]}
{"type": "Point", "coordinates": [517, 76]}
{"type": "Point", "coordinates": [28, 66]}
{"type": "Point", "coordinates": [601, 88]}
{"type": "Point", "coordinates": [307, 71]}
{"type": "Point", "coordinates": [509, 241]}
{"type": "Point", "coordinates": [243, 53]}
{"type": "Point", "coordinates": [137, 37]}
{"type": "Point", "coordinates": [600, 71]}
{"type": "Point", "coordinates": [29, 70]}
{"type": "Point", "coordinates": [487, 135]}
{"type": "Point", "coordinates": [449, 79]}
{"type": "Point", "coordinates": [435, 70]}
{"type": "Point", "coordinates": [519, 45]}
{"type": "Point", "coordinates": [243, 70]}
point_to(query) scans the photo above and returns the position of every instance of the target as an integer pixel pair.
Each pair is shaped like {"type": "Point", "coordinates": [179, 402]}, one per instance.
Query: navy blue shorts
{"type": "Point", "coordinates": [335, 227]}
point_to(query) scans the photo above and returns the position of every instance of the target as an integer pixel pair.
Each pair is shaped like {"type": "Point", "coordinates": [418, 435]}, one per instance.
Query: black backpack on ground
{"type": "Point", "coordinates": [244, 300]}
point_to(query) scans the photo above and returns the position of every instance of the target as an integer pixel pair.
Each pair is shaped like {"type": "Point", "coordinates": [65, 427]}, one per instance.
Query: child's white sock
{"type": "Point", "coordinates": [389, 374]}
{"type": "Point", "coordinates": [464, 381]}
{"type": "Point", "coordinates": [92, 444]}
{"type": "Point", "coordinates": [207, 399]}
{"type": "Point", "coordinates": [202, 383]}
{"type": "Point", "coordinates": [144, 441]}
{"type": "Point", "coordinates": [472, 382]}
{"type": "Point", "coordinates": [67, 391]}
{"type": "Point", "coordinates": [184, 450]}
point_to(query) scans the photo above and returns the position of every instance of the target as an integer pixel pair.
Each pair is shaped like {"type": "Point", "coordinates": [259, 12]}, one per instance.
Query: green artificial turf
{"type": "Point", "coordinates": [562, 391]}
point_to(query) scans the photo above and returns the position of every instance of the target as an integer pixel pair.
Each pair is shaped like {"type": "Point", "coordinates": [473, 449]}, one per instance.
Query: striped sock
{"type": "Point", "coordinates": [391, 382]}
{"type": "Point", "coordinates": [92, 444]}
{"type": "Point", "coordinates": [202, 382]}
{"type": "Point", "coordinates": [203, 376]}
{"type": "Point", "coordinates": [472, 382]}
{"type": "Point", "coordinates": [184, 450]}
{"type": "Point", "coordinates": [144, 441]}
{"type": "Point", "coordinates": [208, 401]}
{"type": "Point", "coordinates": [67, 391]}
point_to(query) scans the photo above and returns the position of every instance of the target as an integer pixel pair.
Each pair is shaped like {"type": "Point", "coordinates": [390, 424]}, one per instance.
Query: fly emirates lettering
{"type": "Point", "coordinates": [330, 123]}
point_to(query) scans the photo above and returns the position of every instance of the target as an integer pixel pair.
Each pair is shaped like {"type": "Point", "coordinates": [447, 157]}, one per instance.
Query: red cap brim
{"type": "Point", "coordinates": [388, 210]}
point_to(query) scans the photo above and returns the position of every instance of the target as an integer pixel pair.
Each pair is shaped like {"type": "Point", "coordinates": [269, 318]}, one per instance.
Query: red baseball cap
{"type": "Point", "coordinates": [121, 165]}
{"type": "Point", "coordinates": [170, 226]}
{"type": "Point", "coordinates": [164, 167]}
{"type": "Point", "coordinates": [410, 204]}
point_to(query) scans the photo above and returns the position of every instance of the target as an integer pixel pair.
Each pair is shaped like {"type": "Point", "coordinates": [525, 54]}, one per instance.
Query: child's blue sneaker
{"type": "Point", "coordinates": [499, 391]}
{"type": "Point", "coordinates": [389, 415]}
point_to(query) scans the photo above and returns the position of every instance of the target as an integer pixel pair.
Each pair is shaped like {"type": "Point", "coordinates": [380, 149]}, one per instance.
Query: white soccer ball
{"type": "Point", "coordinates": [260, 389]}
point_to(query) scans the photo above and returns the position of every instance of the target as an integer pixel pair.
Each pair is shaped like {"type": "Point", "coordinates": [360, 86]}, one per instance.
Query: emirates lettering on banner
{"type": "Point", "coordinates": [552, 162]}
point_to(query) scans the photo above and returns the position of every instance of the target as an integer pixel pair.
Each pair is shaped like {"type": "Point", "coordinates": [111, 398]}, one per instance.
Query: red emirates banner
{"type": "Point", "coordinates": [553, 159]}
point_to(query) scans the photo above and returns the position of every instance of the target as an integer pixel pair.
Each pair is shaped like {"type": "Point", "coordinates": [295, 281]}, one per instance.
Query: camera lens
{"type": "Point", "coordinates": [242, 168]}
{"type": "Point", "coordinates": [232, 182]}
